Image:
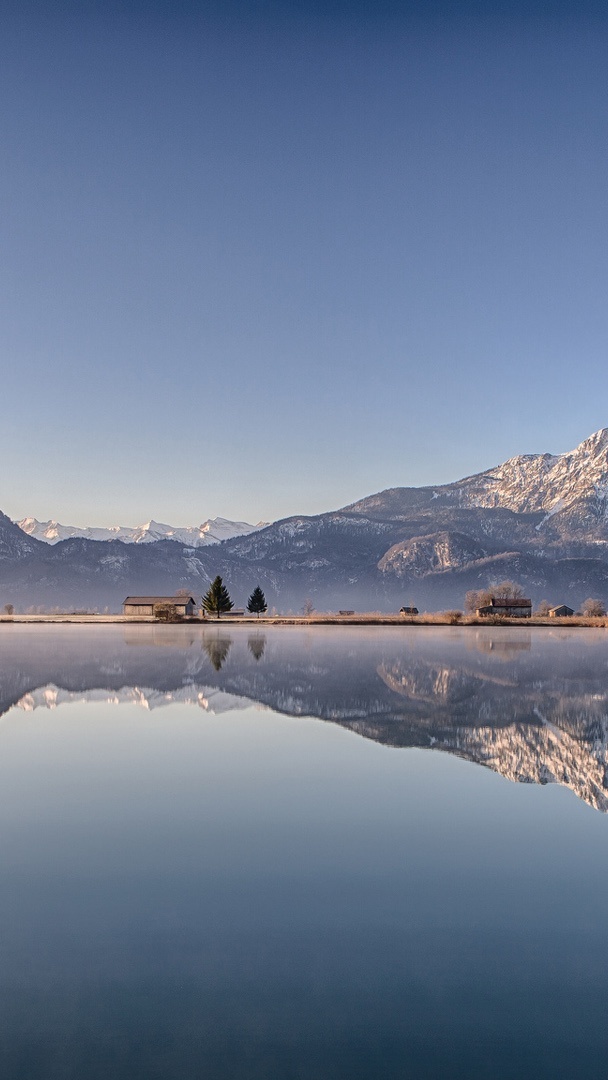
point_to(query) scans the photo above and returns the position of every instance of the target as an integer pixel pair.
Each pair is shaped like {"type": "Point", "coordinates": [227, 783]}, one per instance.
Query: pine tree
{"type": "Point", "coordinates": [257, 602]}
{"type": "Point", "coordinates": [217, 598]}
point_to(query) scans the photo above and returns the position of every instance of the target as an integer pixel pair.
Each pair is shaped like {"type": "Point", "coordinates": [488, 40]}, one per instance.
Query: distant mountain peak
{"type": "Point", "coordinates": [211, 531]}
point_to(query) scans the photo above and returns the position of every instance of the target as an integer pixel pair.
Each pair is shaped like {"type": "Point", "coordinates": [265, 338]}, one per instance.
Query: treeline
{"type": "Point", "coordinates": [217, 600]}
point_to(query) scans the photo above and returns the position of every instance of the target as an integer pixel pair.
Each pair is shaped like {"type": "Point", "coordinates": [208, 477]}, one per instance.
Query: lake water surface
{"type": "Point", "coordinates": [331, 853]}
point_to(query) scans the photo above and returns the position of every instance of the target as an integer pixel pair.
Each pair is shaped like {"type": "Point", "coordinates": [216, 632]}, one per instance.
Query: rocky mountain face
{"type": "Point", "coordinates": [539, 519]}
{"type": "Point", "coordinates": [544, 484]}
{"type": "Point", "coordinates": [15, 545]}
{"type": "Point", "coordinates": [427, 554]}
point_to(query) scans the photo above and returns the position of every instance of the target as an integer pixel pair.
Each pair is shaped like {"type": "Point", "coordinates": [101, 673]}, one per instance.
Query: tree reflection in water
{"type": "Point", "coordinates": [529, 704]}
{"type": "Point", "coordinates": [257, 645]}
{"type": "Point", "coordinates": [217, 649]}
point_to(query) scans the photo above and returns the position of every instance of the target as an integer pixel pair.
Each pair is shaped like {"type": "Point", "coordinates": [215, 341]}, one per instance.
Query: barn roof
{"type": "Point", "coordinates": [159, 600]}
{"type": "Point", "coordinates": [503, 601]}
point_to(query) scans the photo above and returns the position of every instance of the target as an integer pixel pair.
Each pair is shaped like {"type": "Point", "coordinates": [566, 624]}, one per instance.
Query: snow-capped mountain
{"type": "Point", "coordinates": [538, 519]}
{"type": "Point", "coordinates": [546, 482]}
{"type": "Point", "coordinates": [211, 531]}
{"type": "Point", "coordinates": [528, 483]}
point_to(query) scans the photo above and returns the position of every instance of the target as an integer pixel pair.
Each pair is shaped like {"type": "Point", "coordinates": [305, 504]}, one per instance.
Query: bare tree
{"type": "Point", "coordinates": [166, 613]}
{"type": "Point", "coordinates": [477, 598]}
{"type": "Point", "coordinates": [9, 609]}
{"type": "Point", "coordinates": [593, 608]}
{"type": "Point", "coordinates": [308, 607]}
{"type": "Point", "coordinates": [470, 600]}
{"type": "Point", "coordinates": [507, 590]}
{"type": "Point", "coordinates": [453, 617]}
{"type": "Point", "coordinates": [543, 609]}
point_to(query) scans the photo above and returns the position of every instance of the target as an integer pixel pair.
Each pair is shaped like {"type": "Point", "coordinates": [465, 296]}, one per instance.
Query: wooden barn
{"type": "Point", "coordinates": [145, 605]}
{"type": "Point", "coordinates": [510, 607]}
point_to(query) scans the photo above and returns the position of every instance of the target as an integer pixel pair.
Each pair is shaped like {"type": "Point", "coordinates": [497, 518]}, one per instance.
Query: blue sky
{"type": "Point", "coordinates": [266, 258]}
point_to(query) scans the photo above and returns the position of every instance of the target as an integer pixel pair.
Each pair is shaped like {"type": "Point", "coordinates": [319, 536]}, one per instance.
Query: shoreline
{"type": "Point", "coordinates": [439, 619]}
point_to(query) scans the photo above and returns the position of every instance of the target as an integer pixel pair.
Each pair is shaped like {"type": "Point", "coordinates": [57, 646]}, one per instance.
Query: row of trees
{"type": "Point", "coordinates": [217, 599]}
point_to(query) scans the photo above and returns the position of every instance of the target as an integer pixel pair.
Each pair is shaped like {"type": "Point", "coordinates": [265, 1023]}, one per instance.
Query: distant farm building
{"type": "Point", "coordinates": [408, 611]}
{"type": "Point", "coordinates": [147, 605]}
{"type": "Point", "coordinates": [346, 612]}
{"type": "Point", "coordinates": [560, 611]}
{"type": "Point", "coordinates": [510, 607]}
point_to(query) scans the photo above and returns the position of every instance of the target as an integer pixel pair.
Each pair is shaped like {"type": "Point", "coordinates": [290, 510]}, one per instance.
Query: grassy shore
{"type": "Point", "coordinates": [440, 618]}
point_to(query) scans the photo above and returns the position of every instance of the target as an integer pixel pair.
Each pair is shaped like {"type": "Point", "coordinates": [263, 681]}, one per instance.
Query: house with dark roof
{"type": "Point", "coordinates": [146, 605]}
{"type": "Point", "coordinates": [560, 612]}
{"type": "Point", "coordinates": [509, 606]}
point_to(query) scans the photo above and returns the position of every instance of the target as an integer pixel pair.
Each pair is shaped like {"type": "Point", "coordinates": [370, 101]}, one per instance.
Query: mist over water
{"type": "Point", "coordinates": [259, 853]}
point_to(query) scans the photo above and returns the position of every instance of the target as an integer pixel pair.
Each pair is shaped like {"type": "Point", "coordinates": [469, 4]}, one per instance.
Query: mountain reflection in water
{"type": "Point", "coordinates": [530, 704]}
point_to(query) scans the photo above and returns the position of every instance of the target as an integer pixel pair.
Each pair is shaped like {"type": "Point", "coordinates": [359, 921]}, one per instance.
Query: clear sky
{"type": "Point", "coordinates": [267, 258]}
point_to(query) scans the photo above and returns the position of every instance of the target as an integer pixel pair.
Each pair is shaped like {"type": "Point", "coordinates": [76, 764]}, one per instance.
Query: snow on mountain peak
{"type": "Point", "coordinates": [211, 531]}
{"type": "Point", "coordinates": [548, 482]}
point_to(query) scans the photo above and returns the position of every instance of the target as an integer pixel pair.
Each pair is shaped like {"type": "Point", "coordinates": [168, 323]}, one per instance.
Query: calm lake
{"type": "Point", "coordinates": [235, 853]}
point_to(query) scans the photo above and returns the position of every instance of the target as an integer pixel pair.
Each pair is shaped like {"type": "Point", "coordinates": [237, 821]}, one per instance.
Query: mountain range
{"type": "Point", "coordinates": [212, 531]}
{"type": "Point", "coordinates": [540, 519]}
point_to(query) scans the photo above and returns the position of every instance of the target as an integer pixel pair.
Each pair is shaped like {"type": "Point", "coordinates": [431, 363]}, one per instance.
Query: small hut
{"type": "Point", "coordinates": [560, 612]}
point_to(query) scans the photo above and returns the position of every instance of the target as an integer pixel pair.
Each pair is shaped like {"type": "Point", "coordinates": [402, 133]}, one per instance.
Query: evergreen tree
{"type": "Point", "coordinates": [217, 598]}
{"type": "Point", "coordinates": [257, 602]}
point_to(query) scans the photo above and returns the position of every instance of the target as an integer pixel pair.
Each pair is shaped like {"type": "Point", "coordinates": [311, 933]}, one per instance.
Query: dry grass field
{"type": "Point", "coordinates": [370, 618]}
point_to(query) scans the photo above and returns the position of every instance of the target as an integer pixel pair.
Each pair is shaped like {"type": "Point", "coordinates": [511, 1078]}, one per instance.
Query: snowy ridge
{"type": "Point", "coordinates": [535, 482]}
{"type": "Point", "coordinates": [212, 531]}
